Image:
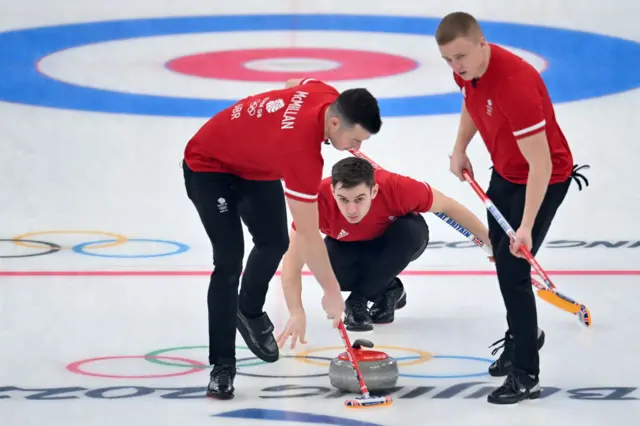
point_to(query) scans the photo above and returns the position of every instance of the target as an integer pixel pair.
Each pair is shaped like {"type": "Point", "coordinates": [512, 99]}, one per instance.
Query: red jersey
{"type": "Point", "coordinates": [510, 102]}
{"type": "Point", "coordinates": [269, 136]}
{"type": "Point", "coordinates": [397, 196]}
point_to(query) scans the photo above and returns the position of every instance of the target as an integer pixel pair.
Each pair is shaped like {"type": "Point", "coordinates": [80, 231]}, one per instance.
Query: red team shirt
{"type": "Point", "coordinates": [270, 136]}
{"type": "Point", "coordinates": [510, 102]}
{"type": "Point", "coordinates": [397, 196]}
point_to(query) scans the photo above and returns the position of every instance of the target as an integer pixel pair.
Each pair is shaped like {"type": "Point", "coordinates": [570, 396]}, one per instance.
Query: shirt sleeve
{"type": "Point", "coordinates": [302, 174]}
{"type": "Point", "coordinates": [411, 195]}
{"type": "Point", "coordinates": [323, 208]}
{"type": "Point", "coordinates": [521, 104]}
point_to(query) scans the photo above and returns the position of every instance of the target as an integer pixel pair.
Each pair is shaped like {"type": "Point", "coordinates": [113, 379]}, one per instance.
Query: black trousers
{"type": "Point", "coordinates": [368, 268]}
{"type": "Point", "coordinates": [223, 201]}
{"type": "Point", "coordinates": [514, 274]}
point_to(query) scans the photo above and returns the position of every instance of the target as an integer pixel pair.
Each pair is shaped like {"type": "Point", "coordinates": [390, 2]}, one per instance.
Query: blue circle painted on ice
{"type": "Point", "coordinates": [581, 65]}
{"type": "Point", "coordinates": [83, 247]}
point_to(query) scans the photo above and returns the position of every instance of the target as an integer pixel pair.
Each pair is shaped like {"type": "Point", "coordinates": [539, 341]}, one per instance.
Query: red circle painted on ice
{"type": "Point", "coordinates": [344, 64]}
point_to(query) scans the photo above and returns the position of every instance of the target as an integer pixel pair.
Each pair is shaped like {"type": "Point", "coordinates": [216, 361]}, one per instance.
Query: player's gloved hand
{"type": "Point", "coordinates": [296, 328]}
{"type": "Point", "coordinates": [458, 161]}
{"type": "Point", "coordinates": [523, 238]}
{"type": "Point", "coordinates": [333, 305]}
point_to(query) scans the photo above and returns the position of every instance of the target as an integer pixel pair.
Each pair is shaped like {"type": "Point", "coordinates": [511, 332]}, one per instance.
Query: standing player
{"type": "Point", "coordinates": [506, 101]}
{"type": "Point", "coordinates": [373, 231]}
{"type": "Point", "coordinates": [232, 170]}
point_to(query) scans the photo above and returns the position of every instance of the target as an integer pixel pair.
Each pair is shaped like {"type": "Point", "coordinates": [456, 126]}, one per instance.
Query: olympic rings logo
{"type": "Point", "coordinates": [189, 365]}
{"type": "Point", "coordinates": [31, 241]}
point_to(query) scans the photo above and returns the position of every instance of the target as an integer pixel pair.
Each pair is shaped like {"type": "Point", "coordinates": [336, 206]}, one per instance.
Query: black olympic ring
{"type": "Point", "coordinates": [270, 376]}
{"type": "Point", "coordinates": [53, 248]}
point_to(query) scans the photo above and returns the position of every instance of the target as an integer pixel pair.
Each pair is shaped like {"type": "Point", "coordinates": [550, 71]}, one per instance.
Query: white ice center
{"type": "Point", "coordinates": [292, 64]}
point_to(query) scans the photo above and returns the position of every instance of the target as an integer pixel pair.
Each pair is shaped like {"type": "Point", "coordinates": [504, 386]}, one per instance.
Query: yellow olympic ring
{"type": "Point", "coordinates": [119, 239]}
{"type": "Point", "coordinates": [424, 356]}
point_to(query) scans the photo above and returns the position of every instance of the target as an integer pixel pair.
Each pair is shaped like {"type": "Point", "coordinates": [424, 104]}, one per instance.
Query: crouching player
{"type": "Point", "coordinates": [373, 227]}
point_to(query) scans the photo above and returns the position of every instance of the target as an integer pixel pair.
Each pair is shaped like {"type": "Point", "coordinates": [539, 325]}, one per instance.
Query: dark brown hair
{"type": "Point", "coordinates": [456, 24]}
{"type": "Point", "coordinates": [351, 172]}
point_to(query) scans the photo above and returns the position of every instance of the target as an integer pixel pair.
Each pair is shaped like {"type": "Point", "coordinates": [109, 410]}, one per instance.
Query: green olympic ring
{"type": "Point", "coordinates": [150, 355]}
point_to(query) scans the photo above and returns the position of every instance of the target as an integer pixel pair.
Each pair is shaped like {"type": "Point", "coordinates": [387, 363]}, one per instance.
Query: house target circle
{"type": "Point", "coordinates": [22, 49]}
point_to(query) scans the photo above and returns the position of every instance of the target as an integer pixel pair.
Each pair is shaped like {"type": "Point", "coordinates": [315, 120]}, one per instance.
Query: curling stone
{"type": "Point", "coordinates": [379, 370]}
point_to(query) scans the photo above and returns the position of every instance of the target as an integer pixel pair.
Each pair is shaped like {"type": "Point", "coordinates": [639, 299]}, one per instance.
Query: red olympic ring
{"type": "Point", "coordinates": [74, 367]}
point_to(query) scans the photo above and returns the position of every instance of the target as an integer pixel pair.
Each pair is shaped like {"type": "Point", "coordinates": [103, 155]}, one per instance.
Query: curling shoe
{"type": "Point", "coordinates": [257, 333]}
{"type": "Point", "coordinates": [383, 310]}
{"type": "Point", "coordinates": [357, 315]}
{"type": "Point", "coordinates": [502, 366]}
{"type": "Point", "coordinates": [516, 387]}
{"type": "Point", "coordinates": [221, 382]}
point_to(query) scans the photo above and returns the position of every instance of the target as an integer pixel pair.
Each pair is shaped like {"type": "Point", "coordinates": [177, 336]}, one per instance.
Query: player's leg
{"type": "Point", "coordinates": [514, 276]}
{"type": "Point", "coordinates": [216, 203]}
{"type": "Point", "coordinates": [344, 257]}
{"type": "Point", "coordinates": [501, 194]}
{"type": "Point", "coordinates": [403, 242]}
{"type": "Point", "coordinates": [263, 210]}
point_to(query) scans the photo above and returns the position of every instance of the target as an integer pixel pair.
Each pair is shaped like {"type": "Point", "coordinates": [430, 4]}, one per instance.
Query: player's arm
{"type": "Point", "coordinates": [466, 130]}
{"type": "Point", "coordinates": [416, 196]}
{"type": "Point", "coordinates": [459, 213]}
{"type": "Point", "coordinates": [466, 127]}
{"type": "Point", "coordinates": [291, 277]}
{"type": "Point", "coordinates": [535, 150]}
{"type": "Point", "coordinates": [522, 105]}
{"type": "Point", "coordinates": [302, 172]}
{"type": "Point", "coordinates": [311, 245]}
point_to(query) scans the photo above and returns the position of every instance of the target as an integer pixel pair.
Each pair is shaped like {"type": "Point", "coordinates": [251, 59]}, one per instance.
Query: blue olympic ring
{"type": "Point", "coordinates": [451, 376]}
{"type": "Point", "coordinates": [574, 73]}
{"type": "Point", "coordinates": [81, 249]}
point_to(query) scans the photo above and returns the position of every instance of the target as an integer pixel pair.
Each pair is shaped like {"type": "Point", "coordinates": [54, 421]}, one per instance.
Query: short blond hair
{"type": "Point", "coordinates": [457, 24]}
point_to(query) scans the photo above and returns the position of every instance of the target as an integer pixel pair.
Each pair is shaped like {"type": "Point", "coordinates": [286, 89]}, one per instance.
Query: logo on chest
{"type": "Point", "coordinates": [342, 234]}
{"type": "Point", "coordinates": [489, 107]}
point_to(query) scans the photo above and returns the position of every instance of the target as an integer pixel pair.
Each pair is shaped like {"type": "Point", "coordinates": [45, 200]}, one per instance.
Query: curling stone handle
{"type": "Point", "coordinates": [362, 342]}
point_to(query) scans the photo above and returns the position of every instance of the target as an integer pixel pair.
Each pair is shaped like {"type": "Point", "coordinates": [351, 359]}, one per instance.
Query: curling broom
{"type": "Point", "coordinates": [554, 298]}
{"type": "Point", "coordinates": [366, 400]}
{"type": "Point", "coordinates": [548, 293]}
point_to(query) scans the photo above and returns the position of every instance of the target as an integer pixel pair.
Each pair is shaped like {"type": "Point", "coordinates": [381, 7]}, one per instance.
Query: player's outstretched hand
{"type": "Point", "coordinates": [458, 161]}
{"type": "Point", "coordinates": [296, 328]}
{"type": "Point", "coordinates": [333, 304]}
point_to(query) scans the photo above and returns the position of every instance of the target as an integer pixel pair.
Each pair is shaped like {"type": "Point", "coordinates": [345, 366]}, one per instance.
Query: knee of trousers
{"type": "Point", "coordinates": [228, 265]}
{"type": "Point", "coordinates": [414, 231]}
{"type": "Point", "coordinates": [277, 245]}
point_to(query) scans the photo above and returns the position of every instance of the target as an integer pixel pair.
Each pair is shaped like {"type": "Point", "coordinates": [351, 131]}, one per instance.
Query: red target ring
{"type": "Point", "coordinates": [350, 64]}
{"type": "Point", "coordinates": [75, 367]}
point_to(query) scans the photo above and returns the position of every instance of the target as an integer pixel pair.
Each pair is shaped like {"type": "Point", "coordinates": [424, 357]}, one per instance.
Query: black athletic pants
{"type": "Point", "coordinates": [367, 268]}
{"type": "Point", "coordinates": [514, 274]}
{"type": "Point", "coordinates": [222, 201]}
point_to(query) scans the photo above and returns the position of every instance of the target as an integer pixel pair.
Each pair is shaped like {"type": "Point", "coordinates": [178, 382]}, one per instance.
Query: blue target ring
{"type": "Point", "coordinates": [82, 249]}
{"type": "Point", "coordinates": [574, 72]}
{"type": "Point", "coordinates": [447, 376]}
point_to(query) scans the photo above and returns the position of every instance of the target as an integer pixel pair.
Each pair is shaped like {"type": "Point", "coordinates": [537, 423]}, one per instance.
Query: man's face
{"type": "Point", "coordinates": [465, 56]}
{"type": "Point", "coordinates": [354, 203]}
{"type": "Point", "coordinates": [344, 138]}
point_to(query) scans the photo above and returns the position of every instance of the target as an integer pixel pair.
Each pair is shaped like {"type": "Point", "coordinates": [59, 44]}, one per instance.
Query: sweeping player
{"type": "Point", "coordinates": [506, 101]}
{"type": "Point", "coordinates": [373, 227]}
{"type": "Point", "coordinates": [233, 168]}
